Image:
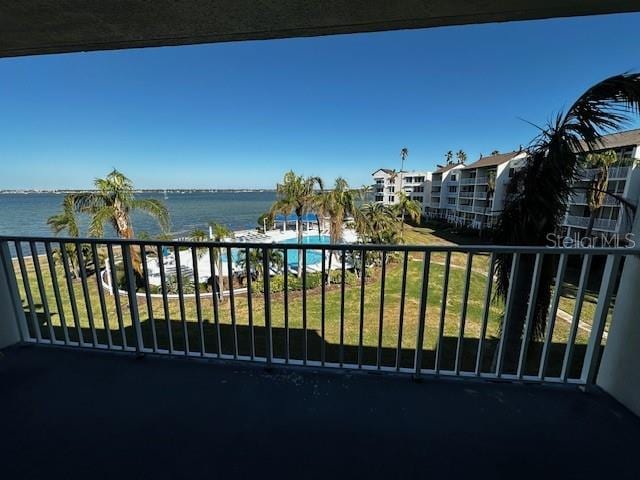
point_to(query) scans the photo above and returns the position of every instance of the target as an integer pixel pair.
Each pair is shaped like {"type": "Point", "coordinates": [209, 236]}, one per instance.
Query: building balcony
{"type": "Point", "coordinates": [467, 194]}
{"type": "Point", "coordinates": [109, 349]}
{"type": "Point", "coordinates": [465, 208]}
{"type": "Point", "coordinates": [468, 181]}
{"type": "Point", "coordinates": [583, 222]}
{"type": "Point", "coordinates": [619, 172]}
{"type": "Point", "coordinates": [482, 180]}
{"type": "Point", "coordinates": [436, 182]}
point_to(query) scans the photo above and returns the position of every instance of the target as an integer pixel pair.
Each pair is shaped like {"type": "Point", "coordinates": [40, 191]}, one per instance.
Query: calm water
{"type": "Point", "coordinates": [26, 214]}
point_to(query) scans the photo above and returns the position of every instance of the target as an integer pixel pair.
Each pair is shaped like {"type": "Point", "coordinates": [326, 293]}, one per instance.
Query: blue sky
{"type": "Point", "coordinates": [241, 114]}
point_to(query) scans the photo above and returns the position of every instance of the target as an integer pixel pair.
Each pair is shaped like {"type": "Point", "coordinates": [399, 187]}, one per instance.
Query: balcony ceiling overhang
{"type": "Point", "coordinates": [34, 27]}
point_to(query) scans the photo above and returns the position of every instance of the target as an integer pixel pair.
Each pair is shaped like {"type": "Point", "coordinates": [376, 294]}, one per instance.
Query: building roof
{"type": "Point", "coordinates": [388, 171]}
{"type": "Point", "coordinates": [446, 168]}
{"type": "Point", "coordinates": [493, 160]}
{"type": "Point", "coordinates": [617, 140]}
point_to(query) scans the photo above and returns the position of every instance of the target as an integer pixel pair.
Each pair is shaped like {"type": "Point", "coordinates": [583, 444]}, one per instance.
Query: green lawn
{"type": "Point", "coordinates": [316, 347]}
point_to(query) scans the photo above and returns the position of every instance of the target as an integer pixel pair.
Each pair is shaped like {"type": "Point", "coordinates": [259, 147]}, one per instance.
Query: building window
{"type": "Point", "coordinates": [451, 201]}
{"type": "Point", "coordinates": [417, 198]}
{"type": "Point", "coordinates": [453, 189]}
{"type": "Point", "coordinates": [418, 189]}
{"type": "Point", "coordinates": [379, 198]}
{"type": "Point", "coordinates": [391, 198]}
{"type": "Point", "coordinates": [418, 179]}
{"type": "Point", "coordinates": [391, 189]}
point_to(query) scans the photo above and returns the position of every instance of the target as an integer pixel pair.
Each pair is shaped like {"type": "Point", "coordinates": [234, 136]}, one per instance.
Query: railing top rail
{"type": "Point", "coordinates": [342, 246]}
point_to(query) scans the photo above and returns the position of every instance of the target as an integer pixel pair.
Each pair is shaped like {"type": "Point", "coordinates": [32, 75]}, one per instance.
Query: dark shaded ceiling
{"type": "Point", "coordinates": [32, 27]}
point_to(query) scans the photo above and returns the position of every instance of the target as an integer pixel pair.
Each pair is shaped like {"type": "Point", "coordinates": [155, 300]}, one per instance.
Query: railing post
{"type": "Point", "coordinates": [619, 372]}
{"type": "Point", "coordinates": [12, 317]}
{"type": "Point", "coordinates": [267, 306]}
{"type": "Point", "coordinates": [422, 315]}
{"type": "Point", "coordinates": [131, 293]}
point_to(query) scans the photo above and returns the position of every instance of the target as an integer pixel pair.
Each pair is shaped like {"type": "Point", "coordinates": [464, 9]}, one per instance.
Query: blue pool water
{"type": "Point", "coordinates": [313, 256]}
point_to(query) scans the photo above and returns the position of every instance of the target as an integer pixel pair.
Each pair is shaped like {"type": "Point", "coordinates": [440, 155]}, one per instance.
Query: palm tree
{"type": "Point", "coordinates": [461, 156]}
{"type": "Point", "coordinates": [113, 201]}
{"type": "Point", "coordinates": [377, 223]}
{"type": "Point", "coordinates": [363, 192]}
{"type": "Point", "coordinates": [537, 195]}
{"type": "Point", "coordinates": [66, 221]}
{"type": "Point", "coordinates": [218, 233]}
{"type": "Point", "coordinates": [297, 194]}
{"type": "Point", "coordinates": [598, 189]}
{"type": "Point", "coordinates": [449, 157]}
{"type": "Point", "coordinates": [409, 207]}
{"type": "Point", "coordinates": [337, 204]}
{"type": "Point", "coordinates": [495, 152]}
{"type": "Point", "coordinates": [491, 189]}
{"type": "Point", "coordinates": [255, 260]}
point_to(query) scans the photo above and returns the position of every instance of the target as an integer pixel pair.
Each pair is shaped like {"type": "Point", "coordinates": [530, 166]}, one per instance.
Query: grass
{"type": "Point", "coordinates": [320, 342]}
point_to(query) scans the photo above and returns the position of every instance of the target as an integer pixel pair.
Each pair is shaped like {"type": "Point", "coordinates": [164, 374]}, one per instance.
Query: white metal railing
{"type": "Point", "coordinates": [480, 209]}
{"type": "Point", "coordinates": [360, 322]}
{"type": "Point", "coordinates": [436, 182]}
{"type": "Point", "coordinates": [465, 208]}
{"type": "Point", "coordinates": [576, 221]}
{"type": "Point", "coordinates": [468, 181]}
{"type": "Point", "coordinates": [578, 198]}
{"type": "Point", "coordinates": [583, 222]}
{"type": "Point", "coordinates": [619, 172]}
{"type": "Point", "coordinates": [464, 194]}
{"type": "Point", "coordinates": [480, 195]}
{"type": "Point", "coordinates": [482, 180]}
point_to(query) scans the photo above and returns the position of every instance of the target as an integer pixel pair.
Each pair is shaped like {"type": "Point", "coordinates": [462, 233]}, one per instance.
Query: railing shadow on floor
{"type": "Point", "coordinates": [245, 342]}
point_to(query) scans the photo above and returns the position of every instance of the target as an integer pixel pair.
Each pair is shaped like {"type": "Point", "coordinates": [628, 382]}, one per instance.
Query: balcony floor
{"type": "Point", "coordinates": [71, 414]}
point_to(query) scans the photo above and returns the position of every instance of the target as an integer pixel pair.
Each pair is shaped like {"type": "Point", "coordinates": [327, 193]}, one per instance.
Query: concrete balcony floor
{"type": "Point", "coordinates": [78, 414]}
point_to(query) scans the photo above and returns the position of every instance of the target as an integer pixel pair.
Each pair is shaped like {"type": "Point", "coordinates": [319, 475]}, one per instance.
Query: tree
{"type": "Point", "coordinates": [113, 201]}
{"type": "Point", "coordinates": [297, 194]}
{"type": "Point", "coordinates": [218, 233]}
{"type": "Point", "coordinates": [537, 195]}
{"type": "Point", "coordinates": [337, 204]}
{"type": "Point", "coordinates": [461, 156]}
{"type": "Point", "coordinates": [596, 193]}
{"type": "Point", "coordinates": [409, 207]}
{"type": "Point", "coordinates": [255, 260]}
{"type": "Point", "coordinates": [66, 221]}
{"type": "Point", "coordinates": [449, 157]}
{"type": "Point", "coordinates": [377, 223]}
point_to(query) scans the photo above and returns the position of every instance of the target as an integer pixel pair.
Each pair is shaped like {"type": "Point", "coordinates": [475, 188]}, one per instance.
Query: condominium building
{"type": "Point", "coordinates": [482, 188]}
{"type": "Point", "coordinates": [613, 218]}
{"type": "Point", "coordinates": [388, 183]}
{"type": "Point", "coordinates": [444, 191]}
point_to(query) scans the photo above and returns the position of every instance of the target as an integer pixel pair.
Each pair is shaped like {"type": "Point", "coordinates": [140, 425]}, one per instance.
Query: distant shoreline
{"type": "Point", "coordinates": [144, 190]}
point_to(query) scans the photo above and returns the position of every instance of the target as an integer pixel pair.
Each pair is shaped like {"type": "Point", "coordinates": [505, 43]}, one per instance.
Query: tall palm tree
{"type": "Point", "coordinates": [596, 193]}
{"type": "Point", "coordinates": [337, 204]}
{"type": "Point", "coordinates": [297, 194]}
{"type": "Point", "coordinates": [537, 195]}
{"type": "Point", "coordinates": [409, 207]}
{"type": "Point", "coordinates": [67, 221]}
{"type": "Point", "coordinates": [461, 156]}
{"type": "Point", "coordinates": [218, 233]}
{"type": "Point", "coordinates": [113, 201]}
{"type": "Point", "coordinates": [449, 157]}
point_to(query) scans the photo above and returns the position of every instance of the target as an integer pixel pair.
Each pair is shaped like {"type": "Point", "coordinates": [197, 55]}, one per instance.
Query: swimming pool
{"type": "Point", "coordinates": [314, 257]}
